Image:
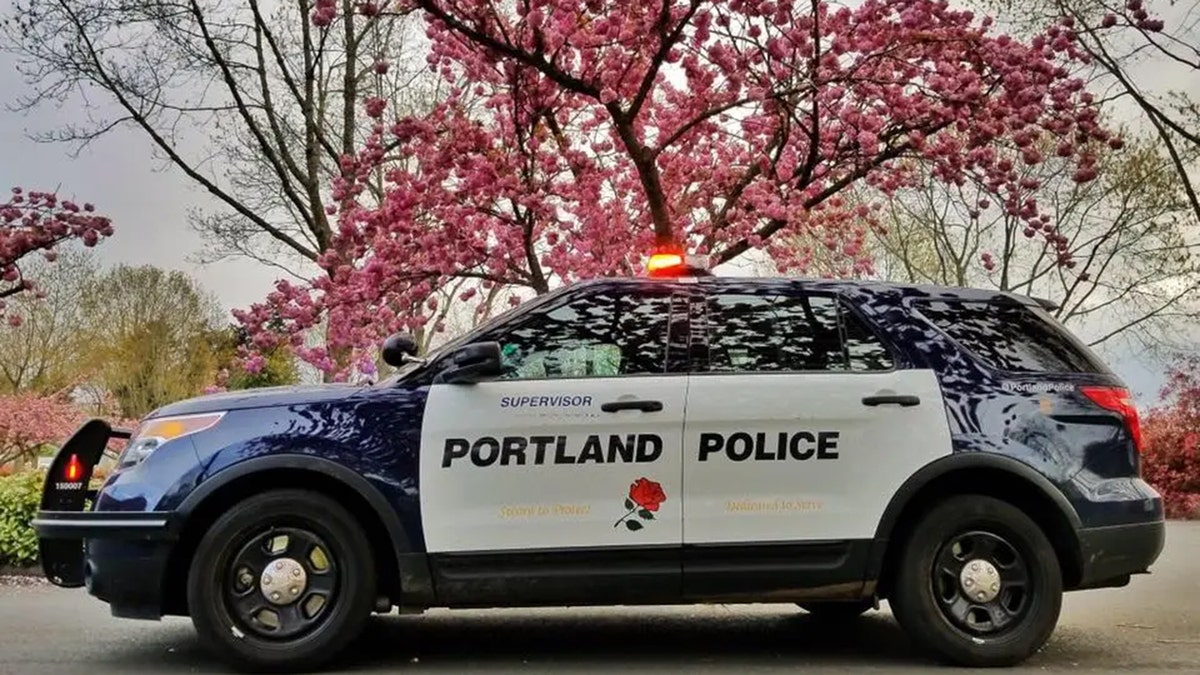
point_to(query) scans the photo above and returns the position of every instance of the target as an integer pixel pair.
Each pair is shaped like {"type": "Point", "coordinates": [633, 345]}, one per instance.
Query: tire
{"type": "Point", "coordinates": [230, 576]}
{"type": "Point", "coordinates": [929, 601]}
{"type": "Point", "coordinates": [837, 611]}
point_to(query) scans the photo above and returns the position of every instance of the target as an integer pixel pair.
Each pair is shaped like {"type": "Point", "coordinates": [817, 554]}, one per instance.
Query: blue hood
{"type": "Point", "coordinates": [259, 398]}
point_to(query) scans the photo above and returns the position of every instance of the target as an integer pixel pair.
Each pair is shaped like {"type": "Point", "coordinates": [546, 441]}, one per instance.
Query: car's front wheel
{"type": "Point", "coordinates": [979, 584]}
{"type": "Point", "coordinates": [283, 580]}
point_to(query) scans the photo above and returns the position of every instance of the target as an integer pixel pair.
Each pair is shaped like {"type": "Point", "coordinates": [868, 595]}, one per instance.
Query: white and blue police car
{"type": "Point", "coordinates": [680, 438]}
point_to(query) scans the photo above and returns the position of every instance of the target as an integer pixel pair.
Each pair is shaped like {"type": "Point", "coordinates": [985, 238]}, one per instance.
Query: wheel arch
{"type": "Point", "coordinates": [403, 571]}
{"type": "Point", "coordinates": [997, 476]}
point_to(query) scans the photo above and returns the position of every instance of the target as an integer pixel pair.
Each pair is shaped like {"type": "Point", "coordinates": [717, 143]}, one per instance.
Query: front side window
{"type": "Point", "coordinates": [603, 334]}
{"type": "Point", "coordinates": [781, 333]}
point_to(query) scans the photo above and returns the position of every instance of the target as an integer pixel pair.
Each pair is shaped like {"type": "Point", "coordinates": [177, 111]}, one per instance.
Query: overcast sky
{"type": "Point", "coordinates": [148, 202]}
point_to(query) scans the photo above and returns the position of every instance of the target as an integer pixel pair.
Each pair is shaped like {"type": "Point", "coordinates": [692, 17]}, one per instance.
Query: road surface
{"type": "Point", "coordinates": [1151, 626]}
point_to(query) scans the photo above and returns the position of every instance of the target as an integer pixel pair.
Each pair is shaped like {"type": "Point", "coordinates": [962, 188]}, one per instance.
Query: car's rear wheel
{"type": "Point", "coordinates": [979, 584]}
{"type": "Point", "coordinates": [282, 581]}
{"type": "Point", "coordinates": [837, 611]}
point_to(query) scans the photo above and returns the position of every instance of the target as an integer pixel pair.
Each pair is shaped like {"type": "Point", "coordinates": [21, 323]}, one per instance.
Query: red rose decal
{"type": "Point", "coordinates": [645, 496]}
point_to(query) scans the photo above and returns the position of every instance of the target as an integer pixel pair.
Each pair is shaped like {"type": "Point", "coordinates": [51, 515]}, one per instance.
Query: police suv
{"type": "Point", "coordinates": [680, 438]}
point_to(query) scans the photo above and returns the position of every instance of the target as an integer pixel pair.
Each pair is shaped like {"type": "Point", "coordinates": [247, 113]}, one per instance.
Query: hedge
{"type": "Point", "coordinates": [1171, 462]}
{"type": "Point", "coordinates": [20, 495]}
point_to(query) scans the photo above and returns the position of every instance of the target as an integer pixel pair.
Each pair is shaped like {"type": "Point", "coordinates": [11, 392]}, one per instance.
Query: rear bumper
{"type": "Point", "coordinates": [1111, 554]}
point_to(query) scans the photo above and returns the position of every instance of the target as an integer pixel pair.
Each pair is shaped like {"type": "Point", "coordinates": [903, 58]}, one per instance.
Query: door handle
{"type": "Point", "coordinates": [644, 406]}
{"type": "Point", "coordinates": [905, 400]}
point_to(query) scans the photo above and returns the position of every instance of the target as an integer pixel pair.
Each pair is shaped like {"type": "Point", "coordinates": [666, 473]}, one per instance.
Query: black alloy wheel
{"type": "Point", "coordinates": [982, 583]}
{"type": "Point", "coordinates": [978, 583]}
{"type": "Point", "coordinates": [282, 581]}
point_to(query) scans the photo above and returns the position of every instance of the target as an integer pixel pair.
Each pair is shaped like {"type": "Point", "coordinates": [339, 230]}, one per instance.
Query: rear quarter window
{"type": "Point", "coordinates": [1011, 338]}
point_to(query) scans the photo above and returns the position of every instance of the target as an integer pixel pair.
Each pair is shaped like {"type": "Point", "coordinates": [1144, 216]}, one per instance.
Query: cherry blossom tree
{"type": "Point", "coordinates": [589, 132]}
{"type": "Point", "coordinates": [28, 421]}
{"type": "Point", "coordinates": [32, 222]}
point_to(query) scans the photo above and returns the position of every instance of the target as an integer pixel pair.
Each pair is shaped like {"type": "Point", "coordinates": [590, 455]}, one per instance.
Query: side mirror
{"type": "Point", "coordinates": [399, 349]}
{"type": "Point", "coordinates": [471, 363]}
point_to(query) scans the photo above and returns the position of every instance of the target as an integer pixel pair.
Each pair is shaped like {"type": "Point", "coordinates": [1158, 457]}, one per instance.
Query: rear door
{"type": "Point", "coordinates": [799, 430]}
{"type": "Point", "coordinates": [561, 481]}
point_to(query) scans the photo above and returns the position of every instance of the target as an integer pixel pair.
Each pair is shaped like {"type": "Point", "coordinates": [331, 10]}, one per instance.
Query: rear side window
{"type": "Point", "coordinates": [782, 333]}
{"type": "Point", "coordinates": [1013, 338]}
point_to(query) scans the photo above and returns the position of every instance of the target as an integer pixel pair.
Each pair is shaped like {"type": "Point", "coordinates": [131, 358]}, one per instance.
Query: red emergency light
{"type": "Point", "coordinates": [671, 263]}
{"type": "Point", "coordinates": [74, 470]}
{"type": "Point", "coordinates": [663, 262]}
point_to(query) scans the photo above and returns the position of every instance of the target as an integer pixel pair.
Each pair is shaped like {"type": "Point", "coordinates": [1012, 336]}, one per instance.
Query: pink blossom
{"type": "Point", "coordinates": [375, 106]}
{"type": "Point", "coordinates": [254, 364]}
{"type": "Point", "coordinates": [1084, 175]}
{"type": "Point", "coordinates": [33, 221]}
{"type": "Point", "coordinates": [324, 12]}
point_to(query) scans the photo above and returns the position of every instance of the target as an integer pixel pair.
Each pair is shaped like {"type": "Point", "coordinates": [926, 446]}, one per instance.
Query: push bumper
{"type": "Point", "coordinates": [1111, 554]}
{"type": "Point", "coordinates": [79, 525]}
{"type": "Point", "coordinates": [121, 557]}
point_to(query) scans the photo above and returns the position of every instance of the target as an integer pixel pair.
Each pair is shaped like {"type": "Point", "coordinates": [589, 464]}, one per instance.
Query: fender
{"type": "Point", "coordinates": [912, 487]}
{"type": "Point", "coordinates": [416, 583]}
{"type": "Point", "coordinates": [970, 460]}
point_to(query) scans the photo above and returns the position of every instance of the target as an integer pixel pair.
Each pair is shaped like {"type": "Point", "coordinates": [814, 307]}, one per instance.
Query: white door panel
{"type": "Point", "coordinates": [535, 464]}
{"type": "Point", "coordinates": [841, 461]}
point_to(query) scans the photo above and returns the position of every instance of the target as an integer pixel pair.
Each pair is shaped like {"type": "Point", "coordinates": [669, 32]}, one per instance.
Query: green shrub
{"type": "Point", "coordinates": [19, 498]}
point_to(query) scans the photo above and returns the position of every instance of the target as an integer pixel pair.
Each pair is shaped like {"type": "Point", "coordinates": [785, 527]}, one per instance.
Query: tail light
{"type": "Point", "coordinates": [1118, 400]}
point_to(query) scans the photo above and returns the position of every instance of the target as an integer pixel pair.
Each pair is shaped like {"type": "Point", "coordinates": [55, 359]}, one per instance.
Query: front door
{"type": "Point", "coordinates": [797, 435]}
{"type": "Point", "coordinates": [563, 478]}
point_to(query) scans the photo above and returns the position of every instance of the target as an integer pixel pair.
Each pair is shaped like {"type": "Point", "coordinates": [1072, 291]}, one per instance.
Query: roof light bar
{"type": "Point", "coordinates": [662, 262]}
{"type": "Point", "coordinates": [669, 263]}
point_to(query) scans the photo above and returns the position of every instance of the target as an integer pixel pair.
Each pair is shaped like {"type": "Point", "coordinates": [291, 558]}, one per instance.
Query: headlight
{"type": "Point", "coordinates": [153, 433]}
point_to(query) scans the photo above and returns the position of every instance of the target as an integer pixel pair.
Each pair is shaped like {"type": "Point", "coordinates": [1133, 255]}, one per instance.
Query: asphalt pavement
{"type": "Point", "coordinates": [1150, 626]}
